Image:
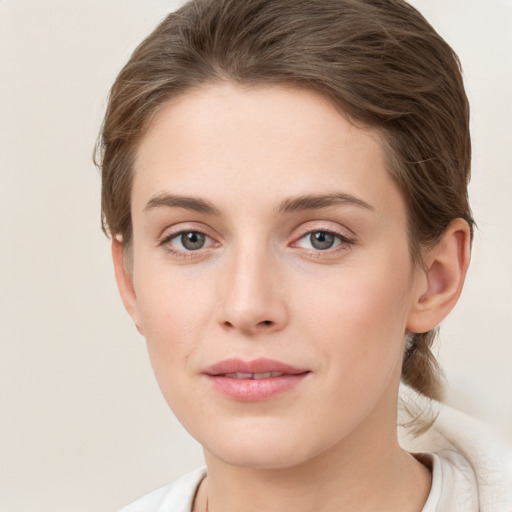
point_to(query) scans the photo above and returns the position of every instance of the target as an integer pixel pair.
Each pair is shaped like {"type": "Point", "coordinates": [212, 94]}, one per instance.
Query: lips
{"type": "Point", "coordinates": [251, 381]}
{"type": "Point", "coordinates": [256, 366]}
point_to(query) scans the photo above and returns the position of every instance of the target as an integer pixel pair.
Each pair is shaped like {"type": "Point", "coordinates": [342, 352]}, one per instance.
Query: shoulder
{"type": "Point", "coordinates": [454, 485]}
{"type": "Point", "coordinates": [458, 485]}
{"type": "Point", "coordinates": [474, 469]}
{"type": "Point", "coordinates": [174, 497]}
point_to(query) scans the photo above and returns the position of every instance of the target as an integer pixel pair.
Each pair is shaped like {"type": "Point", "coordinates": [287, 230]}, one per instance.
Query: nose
{"type": "Point", "coordinates": [252, 296]}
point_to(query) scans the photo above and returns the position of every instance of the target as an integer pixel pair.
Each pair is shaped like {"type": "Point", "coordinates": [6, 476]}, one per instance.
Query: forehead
{"type": "Point", "coordinates": [227, 142]}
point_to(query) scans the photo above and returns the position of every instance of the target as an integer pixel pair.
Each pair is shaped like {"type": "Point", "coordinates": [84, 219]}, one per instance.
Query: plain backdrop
{"type": "Point", "coordinates": [83, 426]}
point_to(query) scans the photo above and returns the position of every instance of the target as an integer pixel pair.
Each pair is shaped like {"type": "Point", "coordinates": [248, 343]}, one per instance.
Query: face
{"type": "Point", "coordinates": [271, 273]}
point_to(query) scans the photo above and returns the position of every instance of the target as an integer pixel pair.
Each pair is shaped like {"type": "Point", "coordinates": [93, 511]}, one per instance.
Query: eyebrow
{"type": "Point", "coordinates": [176, 201]}
{"type": "Point", "coordinates": [317, 202]}
{"type": "Point", "coordinates": [292, 204]}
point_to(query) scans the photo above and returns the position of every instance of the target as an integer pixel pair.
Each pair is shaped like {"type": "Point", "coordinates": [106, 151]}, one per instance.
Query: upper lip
{"type": "Point", "coordinates": [262, 365]}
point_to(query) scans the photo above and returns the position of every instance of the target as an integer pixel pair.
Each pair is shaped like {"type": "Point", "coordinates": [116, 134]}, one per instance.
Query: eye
{"type": "Point", "coordinates": [321, 240]}
{"type": "Point", "coordinates": [186, 241]}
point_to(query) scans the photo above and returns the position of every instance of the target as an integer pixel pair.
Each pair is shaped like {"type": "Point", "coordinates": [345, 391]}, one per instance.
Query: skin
{"type": "Point", "coordinates": [259, 288]}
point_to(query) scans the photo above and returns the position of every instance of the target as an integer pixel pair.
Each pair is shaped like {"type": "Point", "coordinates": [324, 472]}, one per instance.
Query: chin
{"type": "Point", "coordinates": [261, 459]}
{"type": "Point", "coordinates": [258, 449]}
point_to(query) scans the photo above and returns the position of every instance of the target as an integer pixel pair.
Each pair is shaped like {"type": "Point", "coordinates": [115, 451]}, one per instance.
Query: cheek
{"type": "Point", "coordinates": [172, 300]}
{"type": "Point", "coordinates": [174, 311]}
{"type": "Point", "coordinates": [360, 315]}
{"type": "Point", "coordinates": [357, 321]}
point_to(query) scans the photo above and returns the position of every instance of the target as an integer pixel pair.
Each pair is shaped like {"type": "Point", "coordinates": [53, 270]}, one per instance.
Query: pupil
{"type": "Point", "coordinates": [322, 240]}
{"type": "Point", "coordinates": [192, 240]}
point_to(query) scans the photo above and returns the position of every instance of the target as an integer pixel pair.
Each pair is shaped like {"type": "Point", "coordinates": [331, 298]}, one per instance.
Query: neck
{"type": "Point", "coordinates": [366, 471]}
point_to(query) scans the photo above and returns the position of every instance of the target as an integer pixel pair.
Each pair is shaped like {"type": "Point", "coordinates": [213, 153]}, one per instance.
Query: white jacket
{"type": "Point", "coordinates": [474, 470]}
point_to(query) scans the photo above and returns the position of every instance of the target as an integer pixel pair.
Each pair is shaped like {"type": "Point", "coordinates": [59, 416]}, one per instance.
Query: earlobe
{"type": "Point", "coordinates": [125, 284]}
{"type": "Point", "coordinates": [440, 285]}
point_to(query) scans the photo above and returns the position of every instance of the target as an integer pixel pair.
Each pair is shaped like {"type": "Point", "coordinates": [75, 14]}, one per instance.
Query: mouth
{"type": "Point", "coordinates": [255, 376]}
{"type": "Point", "coordinates": [254, 381]}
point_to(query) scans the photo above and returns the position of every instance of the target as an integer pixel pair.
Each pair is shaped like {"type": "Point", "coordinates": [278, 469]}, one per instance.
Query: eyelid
{"type": "Point", "coordinates": [329, 227]}
{"type": "Point", "coordinates": [177, 234]}
{"type": "Point", "coordinates": [342, 239]}
{"type": "Point", "coordinates": [184, 227]}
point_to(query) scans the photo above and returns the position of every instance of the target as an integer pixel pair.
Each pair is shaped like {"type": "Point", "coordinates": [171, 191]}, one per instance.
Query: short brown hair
{"type": "Point", "coordinates": [379, 61]}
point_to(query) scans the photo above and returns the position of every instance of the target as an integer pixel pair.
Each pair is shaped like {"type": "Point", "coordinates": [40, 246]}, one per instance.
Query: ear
{"type": "Point", "coordinates": [439, 284]}
{"type": "Point", "coordinates": [125, 284]}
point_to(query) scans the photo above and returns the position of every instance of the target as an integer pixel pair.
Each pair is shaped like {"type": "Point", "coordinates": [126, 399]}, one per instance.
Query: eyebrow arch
{"type": "Point", "coordinates": [176, 201]}
{"type": "Point", "coordinates": [317, 202]}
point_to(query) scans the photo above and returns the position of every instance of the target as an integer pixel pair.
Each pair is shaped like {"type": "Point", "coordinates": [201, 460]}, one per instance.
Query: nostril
{"type": "Point", "coordinates": [267, 322]}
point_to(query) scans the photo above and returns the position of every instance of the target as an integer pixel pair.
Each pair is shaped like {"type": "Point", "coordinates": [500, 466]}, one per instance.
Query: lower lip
{"type": "Point", "coordinates": [255, 390]}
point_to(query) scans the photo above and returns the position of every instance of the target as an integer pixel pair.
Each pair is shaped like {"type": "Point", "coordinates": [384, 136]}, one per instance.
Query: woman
{"type": "Point", "coordinates": [285, 184]}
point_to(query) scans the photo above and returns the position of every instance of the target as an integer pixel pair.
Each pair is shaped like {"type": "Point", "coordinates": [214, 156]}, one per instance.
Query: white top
{"type": "Point", "coordinates": [175, 497]}
{"type": "Point", "coordinates": [471, 472]}
{"type": "Point", "coordinates": [454, 485]}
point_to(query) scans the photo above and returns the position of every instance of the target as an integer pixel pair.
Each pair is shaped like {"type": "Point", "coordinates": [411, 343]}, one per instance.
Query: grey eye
{"type": "Point", "coordinates": [322, 240]}
{"type": "Point", "coordinates": [192, 240]}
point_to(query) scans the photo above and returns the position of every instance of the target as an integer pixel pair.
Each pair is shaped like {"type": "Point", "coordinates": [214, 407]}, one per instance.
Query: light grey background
{"type": "Point", "coordinates": [83, 426]}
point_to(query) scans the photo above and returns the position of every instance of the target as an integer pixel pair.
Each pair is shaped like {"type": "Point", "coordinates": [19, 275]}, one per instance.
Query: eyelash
{"type": "Point", "coordinates": [344, 243]}
{"type": "Point", "coordinates": [341, 241]}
